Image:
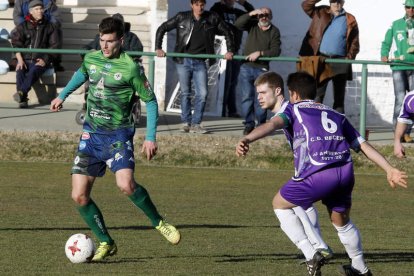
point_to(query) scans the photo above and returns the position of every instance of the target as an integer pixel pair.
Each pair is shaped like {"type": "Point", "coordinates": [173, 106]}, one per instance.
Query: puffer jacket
{"type": "Point", "coordinates": [36, 35]}
{"type": "Point", "coordinates": [183, 22]}
{"type": "Point", "coordinates": [321, 18]}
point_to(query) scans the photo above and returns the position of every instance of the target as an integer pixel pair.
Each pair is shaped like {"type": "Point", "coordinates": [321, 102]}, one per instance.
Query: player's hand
{"type": "Point", "coordinates": [399, 150]}
{"type": "Point", "coordinates": [242, 148]}
{"type": "Point", "coordinates": [149, 148]}
{"type": "Point", "coordinates": [396, 177]}
{"type": "Point", "coordinates": [56, 105]}
{"type": "Point", "coordinates": [160, 53]}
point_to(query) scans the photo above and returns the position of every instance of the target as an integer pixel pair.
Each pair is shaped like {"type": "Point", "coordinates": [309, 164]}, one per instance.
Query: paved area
{"type": "Point", "coordinates": [40, 118]}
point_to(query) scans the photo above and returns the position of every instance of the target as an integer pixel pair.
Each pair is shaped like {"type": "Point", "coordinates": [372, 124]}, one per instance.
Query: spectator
{"type": "Point", "coordinates": [38, 33]}
{"type": "Point", "coordinates": [51, 13]}
{"type": "Point", "coordinates": [401, 31]}
{"type": "Point", "coordinates": [131, 40]}
{"type": "Point", "coordinates": [226, 10]}
{"type": "Point", "coordinates": [263, 40]}
{"type": "Point", "coordinates": [333, 33]}
{"type": "Point", "coordinates": [196, 30]}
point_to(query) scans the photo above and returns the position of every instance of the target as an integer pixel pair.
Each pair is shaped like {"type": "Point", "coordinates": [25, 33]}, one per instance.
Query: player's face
{"type": "Point", "coordinates": [110, 45]}
{"type": "Point", "coordinates": [266, 96]}
{"type": "Point", "coordinates": [198, 9]}
{"type": "Point", "coordinates": [37, 12]}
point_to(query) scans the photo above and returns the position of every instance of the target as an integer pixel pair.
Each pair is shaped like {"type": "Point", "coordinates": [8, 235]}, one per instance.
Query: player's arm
{"type": "Point", "coordinates": [394, 176]}
{"type": "Point", "coordinates": [75, 82]}
{"type": "Point", "coordinates": [399, 150]}
{"type": "Point", "coordinates": [277, 122]}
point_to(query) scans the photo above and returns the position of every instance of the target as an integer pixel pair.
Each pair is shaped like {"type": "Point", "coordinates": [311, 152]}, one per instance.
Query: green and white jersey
{"type": "Point", "coordinates": [113, 83]}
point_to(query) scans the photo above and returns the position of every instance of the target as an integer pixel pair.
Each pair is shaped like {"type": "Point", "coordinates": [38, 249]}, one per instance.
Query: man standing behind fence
{"type": "Point", "coordinates": [263, 40]}
{"type": "Point", "coordinates": [196, 30]}
{"type": "Point", "coordinates": [226, 10]}
{"type": "Point", "coordinates": [402, 32]}
{"type": "Point", "coordinates": [333, 33]}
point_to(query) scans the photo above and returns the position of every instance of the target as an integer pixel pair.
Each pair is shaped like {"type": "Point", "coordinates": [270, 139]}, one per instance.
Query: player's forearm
{"type": "Point", "coordinates": [376, 157]}
{"type": "Point", "coordinates": [399, 131]}
{"type": "Point", "coordinates": [263, 131]}
{"type": "Point", "coordinates": [152, 119]}
{"type": "Point", "coordinates": [75, 82]}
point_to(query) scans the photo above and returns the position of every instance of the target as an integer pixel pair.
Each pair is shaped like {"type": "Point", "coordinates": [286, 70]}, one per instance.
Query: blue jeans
{"type": "Point", "coordinates": [403, 83]}
{"type": "Point", "coordinates": [251, 109]}
{"type": "Point", "coordinates": [27, 77]}
{"type": "Point", "coordinates": [195, 70]}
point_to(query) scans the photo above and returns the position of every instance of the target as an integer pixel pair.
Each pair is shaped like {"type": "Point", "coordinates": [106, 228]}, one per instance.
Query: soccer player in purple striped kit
{"type": "Point", "coordinates": [321, 141]}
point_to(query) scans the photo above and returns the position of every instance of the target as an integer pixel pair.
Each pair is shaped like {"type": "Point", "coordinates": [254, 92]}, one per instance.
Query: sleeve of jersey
{"type": "Point", "coordinates": [152, 119]}
{"type": "Point", "coordinates": [352, 136]}
{"type": "Point", "coordinates": [406, 112]}
{"type": "Point", "coordinates": [75, 82]}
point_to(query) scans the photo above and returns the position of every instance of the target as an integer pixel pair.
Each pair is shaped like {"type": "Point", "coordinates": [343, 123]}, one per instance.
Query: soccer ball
{"type": "Point", "coordinates": [79, 248]}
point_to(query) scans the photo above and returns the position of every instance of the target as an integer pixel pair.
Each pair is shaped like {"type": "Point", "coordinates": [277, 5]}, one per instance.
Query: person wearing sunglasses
{"type": "Point", "coordinates": [333, 33]}
{"type": "Point", "coordinates": [401, 32]}
{"type": "Point", "coordinates": [263, 40]}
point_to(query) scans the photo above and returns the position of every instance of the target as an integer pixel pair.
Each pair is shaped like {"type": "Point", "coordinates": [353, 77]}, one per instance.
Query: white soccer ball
{"type": "Point", "coordinates": [80, 248]}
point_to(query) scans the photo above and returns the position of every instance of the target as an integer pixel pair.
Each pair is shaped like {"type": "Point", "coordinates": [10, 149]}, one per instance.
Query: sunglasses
{"type": "Point", "coordinates": [263, 15]}
{"type": "Point", "coordinates": [409, 7]}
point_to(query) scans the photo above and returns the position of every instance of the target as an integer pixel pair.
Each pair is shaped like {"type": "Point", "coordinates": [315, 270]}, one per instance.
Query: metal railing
{"type": "Point", "coordinates": [151, 68]}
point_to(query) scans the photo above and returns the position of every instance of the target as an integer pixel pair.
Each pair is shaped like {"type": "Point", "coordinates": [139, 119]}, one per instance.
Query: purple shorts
{"type": "Point", "coordinates": [333, 186]}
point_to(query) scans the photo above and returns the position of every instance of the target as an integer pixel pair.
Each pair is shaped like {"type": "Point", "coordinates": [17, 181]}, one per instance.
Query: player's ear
{"type": "Point", "coordinates": [278, 91]}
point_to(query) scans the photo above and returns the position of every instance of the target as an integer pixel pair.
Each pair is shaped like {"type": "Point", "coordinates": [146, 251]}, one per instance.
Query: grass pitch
{"type": "Point", "coordinates": [225, 217]}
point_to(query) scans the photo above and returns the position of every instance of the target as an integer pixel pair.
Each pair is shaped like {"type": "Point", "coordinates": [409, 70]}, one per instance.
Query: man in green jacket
{"type": "Point", "coordinates": [402, 32]}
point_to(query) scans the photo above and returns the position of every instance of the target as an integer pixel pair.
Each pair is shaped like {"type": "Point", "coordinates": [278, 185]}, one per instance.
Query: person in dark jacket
{"type": "Point", "coordinates": [333, 33]}
{"type": "Point", "coordinates": [196, 30]}
{"type": "Point", "coordinates": [227, 11]}
{"type": "Point", "coordinates": [36, 32]}
{"type": "Point", "coordinates": [51, 13]}
{"type": "Point", "coordinates": [263, 40]}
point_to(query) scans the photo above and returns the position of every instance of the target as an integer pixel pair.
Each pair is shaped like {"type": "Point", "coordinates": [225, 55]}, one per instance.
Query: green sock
{"type": "Point", "coordinates": [142, 200]}
{"type": "Point", "coordinates": [93, 217]}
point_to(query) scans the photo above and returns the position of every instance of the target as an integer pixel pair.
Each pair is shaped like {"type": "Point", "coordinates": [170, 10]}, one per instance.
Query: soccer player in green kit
{"type": "Point", "coordinates": [108, 131]}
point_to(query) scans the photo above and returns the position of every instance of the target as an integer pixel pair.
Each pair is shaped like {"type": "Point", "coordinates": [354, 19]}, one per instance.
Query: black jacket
{"type": "Point", "coordinates": [183, 22]}
{"type": "Point", "coordinates": [230, 15]}
{"type": "Point", "coordinates": [43, 35]}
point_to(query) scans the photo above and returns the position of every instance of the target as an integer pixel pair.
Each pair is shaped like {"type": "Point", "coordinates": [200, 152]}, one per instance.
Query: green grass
{"type": "Point", "coordinates": [225, 216]}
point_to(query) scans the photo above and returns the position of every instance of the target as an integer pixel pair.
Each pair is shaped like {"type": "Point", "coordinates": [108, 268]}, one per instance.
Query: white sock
{"type": "Point", "coordinates": [350, 238]}
{"type": "Point", "coordinates": [293, 228]}
{"type": "Point", "coordinates": [316, 238]}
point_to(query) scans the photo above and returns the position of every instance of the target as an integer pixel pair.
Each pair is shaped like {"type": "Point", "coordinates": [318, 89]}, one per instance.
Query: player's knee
{"type": "Point", "coordinates": [127, 187]}
{"type": "Point", "coordinates": [80, 199]}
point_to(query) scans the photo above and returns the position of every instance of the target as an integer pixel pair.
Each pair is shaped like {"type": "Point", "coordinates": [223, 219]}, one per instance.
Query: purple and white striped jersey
{"type": "Point", "coordinates": [407, 111]}
{"type": "Point", "coordinates": [320, 136]}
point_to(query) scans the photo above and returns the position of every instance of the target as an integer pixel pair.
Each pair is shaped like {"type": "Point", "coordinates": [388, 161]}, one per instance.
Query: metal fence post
{"type": "Point", "coordinates": [363, 115]}
{"type": "Point", "coordinates": [151, 69]}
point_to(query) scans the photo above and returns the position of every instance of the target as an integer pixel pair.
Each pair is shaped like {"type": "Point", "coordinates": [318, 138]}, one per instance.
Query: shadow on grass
{"type": "Point", "coordinates": [342, 258]}
{"type": "Point", "coordinates": [182, 226]}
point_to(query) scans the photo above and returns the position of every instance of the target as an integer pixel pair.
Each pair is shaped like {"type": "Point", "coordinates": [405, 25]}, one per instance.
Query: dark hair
{"type": "Point", "coordinates": [273, 80]}
{"type": "Point", "coordinates": [302, 83]}
{"type": "Point", "coordinates": [111, 25]}
{"type": "Point", "coordinates": [196, 1]}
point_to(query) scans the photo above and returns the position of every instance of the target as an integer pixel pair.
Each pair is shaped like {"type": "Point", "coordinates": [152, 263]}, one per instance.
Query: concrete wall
{"type": "Point", "coordinates": [373, 16]}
